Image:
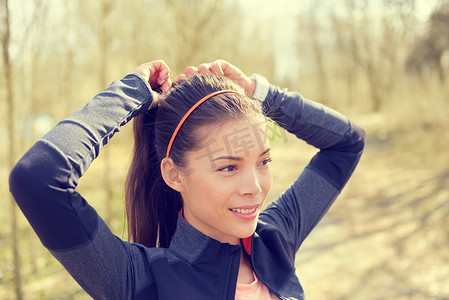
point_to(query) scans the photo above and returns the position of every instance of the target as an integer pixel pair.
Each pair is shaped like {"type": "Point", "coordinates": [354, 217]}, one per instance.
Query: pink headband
{"type": "Point", "coordinates": [170, 144]}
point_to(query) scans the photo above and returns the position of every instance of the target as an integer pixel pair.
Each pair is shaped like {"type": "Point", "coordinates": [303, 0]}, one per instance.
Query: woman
{"type": "Point", "coordinates": [199, 176]}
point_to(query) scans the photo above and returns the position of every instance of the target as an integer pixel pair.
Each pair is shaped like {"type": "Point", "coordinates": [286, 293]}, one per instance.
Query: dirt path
{"type": "Point", "coordinates": [387, 236]}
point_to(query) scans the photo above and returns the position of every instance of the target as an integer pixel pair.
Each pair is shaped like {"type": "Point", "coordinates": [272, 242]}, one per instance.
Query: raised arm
{"type": "Point", "coordinates": [340, 141]}
{"type": "Point", "coordinates": [44, 180]}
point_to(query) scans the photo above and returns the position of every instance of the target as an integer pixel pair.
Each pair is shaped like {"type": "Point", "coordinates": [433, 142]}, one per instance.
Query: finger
{"type": "Point", "coordinates": [224, 65]}
{"type": "Point", "coordinates": [163, 73]}
{"type": "Point", "coordinates": [152, 70]}
{"type": "Point", "coordinates": [166, 85]}
{"type": "Point", "coordinates": [161, 80]}
{"type": "Point", "coordinates": [204, 69]}
{"type": "Point", "coordinates": [191, 71]}
{"type": "Point", "coordinates": [155, 71]}
{"type": "Point", "coordinates": [148, 66]}
{"type": "Point", "coordinates": [229, 69]}
{"type": "Point", "coordinates": [181, 77]}
{"type": "Point", "coordinates": [216, 69]}
{"type": "Point", "coordinates": [160, 65]}
{"type": "Point", "coordinates": [145, 70]}
{"type": "Point", "coordinates": [162, 76]}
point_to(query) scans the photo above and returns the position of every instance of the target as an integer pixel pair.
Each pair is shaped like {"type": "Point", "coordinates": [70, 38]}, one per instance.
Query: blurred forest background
{"type": "Point", "coordinates": [384, 63]}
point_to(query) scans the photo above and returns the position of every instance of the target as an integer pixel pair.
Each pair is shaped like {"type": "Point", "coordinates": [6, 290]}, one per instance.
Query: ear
{"type": "Point", "coordinates": [172, 174]}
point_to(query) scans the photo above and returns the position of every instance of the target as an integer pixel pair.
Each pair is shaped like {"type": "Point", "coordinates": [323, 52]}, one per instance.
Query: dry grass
{"type": "Point", "coordinates": [385, 237]}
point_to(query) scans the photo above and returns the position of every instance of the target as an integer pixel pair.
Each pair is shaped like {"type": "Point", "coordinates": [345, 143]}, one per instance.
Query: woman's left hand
{"type": "Point", "coordinates": [223, 68]}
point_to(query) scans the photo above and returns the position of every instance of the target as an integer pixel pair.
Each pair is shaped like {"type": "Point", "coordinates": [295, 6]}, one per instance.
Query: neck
{"type": "Point", "coordinates": [245, 275]}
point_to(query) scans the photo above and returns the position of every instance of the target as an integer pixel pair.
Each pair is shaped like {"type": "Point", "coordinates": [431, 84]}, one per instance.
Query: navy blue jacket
{"type": "Point", "coordinates": [195, 266]}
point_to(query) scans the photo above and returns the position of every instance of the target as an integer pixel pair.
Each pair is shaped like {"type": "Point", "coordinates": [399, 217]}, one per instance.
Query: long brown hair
{"type": "Point", "coordinates": [152, 207]}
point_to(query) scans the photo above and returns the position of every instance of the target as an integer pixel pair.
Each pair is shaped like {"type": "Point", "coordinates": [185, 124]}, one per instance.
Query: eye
{"type": "Point", "coordinates": [229, 168]}
{"type": "Point", "coordinates": [266, 161]}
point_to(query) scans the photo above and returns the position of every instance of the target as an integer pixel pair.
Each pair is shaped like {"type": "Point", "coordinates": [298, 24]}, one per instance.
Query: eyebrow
{"type": "Point", "coordinates": [239, 158]}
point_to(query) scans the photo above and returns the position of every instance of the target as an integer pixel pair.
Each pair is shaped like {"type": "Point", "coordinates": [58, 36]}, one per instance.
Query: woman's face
{"type": "Point", "coordinates": [227, 180]}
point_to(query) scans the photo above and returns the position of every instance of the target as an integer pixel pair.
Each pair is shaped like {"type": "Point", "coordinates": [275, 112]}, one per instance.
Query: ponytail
{"type": "Point", "coordinates": [151, 206]}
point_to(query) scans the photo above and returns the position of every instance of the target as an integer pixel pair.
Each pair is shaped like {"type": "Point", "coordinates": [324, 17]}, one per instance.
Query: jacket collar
{"type": "Point", "coordinates": [187, 242]}
{"type": "Point", "coordinates": [193, 246]}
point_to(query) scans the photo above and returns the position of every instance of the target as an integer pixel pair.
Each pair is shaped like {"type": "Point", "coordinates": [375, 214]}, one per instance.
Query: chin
{"type": "Point", "coordinates": [247, 232]}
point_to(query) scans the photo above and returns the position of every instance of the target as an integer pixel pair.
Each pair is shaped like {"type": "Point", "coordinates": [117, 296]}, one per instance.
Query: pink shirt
{"type": "Point", "coordinates": [255, 290]}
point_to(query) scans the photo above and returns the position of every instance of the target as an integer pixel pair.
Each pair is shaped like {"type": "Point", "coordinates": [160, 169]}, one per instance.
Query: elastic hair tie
{"type": "Point", "coordinates": [170, 144]}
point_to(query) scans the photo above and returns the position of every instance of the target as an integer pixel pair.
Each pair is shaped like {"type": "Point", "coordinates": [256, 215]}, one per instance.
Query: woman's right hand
{"type": "Point", "coordinates": [157, 73]}
{"type": "Point", "coordinates": [223, 68]}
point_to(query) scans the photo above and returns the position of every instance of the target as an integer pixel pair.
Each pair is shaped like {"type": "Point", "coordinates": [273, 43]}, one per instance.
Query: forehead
{"type": "Point", "coordinates": [237, 137]}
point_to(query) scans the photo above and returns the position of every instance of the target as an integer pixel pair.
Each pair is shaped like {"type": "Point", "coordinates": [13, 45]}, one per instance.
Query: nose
{"type": "Point", "coordinates": [250, 184]}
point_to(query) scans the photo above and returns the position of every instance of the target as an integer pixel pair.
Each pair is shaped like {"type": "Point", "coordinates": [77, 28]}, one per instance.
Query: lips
{"type": "Point", "coordinates": [246, 212]}
{"type": "Point", "coordinates": [243, 211]}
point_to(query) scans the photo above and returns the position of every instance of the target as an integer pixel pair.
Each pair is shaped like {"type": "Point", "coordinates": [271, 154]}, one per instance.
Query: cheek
{"type": "Point", "coordinates": [223, 188]}
{"type": "Point", "coordinates": [208, 190]}
{"type": "Point", "coordinates": [266, 182]}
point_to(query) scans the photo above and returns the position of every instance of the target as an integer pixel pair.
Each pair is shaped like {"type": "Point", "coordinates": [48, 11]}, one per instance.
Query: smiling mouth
{"type": "Point", "coordinates": [243, 211]}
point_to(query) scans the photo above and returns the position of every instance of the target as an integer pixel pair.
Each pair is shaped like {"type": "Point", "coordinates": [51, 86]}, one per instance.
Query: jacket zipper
{"type": "Point", "coordinates": [268, 287]}
{"type": "Point", "coordinates": [228, 275]}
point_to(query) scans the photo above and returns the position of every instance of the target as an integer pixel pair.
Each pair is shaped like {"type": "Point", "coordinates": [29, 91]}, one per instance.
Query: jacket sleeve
{"type": "Point", "coordinates": [340, 143]}
{"type": "Point", "coordinates": [43, 184]}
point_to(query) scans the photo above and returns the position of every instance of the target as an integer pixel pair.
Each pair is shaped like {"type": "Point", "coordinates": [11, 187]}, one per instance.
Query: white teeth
{"type": "Point", "coordinates": [243, 211]}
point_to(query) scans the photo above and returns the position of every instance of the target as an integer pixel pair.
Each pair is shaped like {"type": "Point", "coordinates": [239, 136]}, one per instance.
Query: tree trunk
{"type": "Point", "coordinates": [322, 85]}
{"type": "Point", "coordinates": [11, 150]}
{"type": "Point", "coordinates": [106, 8]}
